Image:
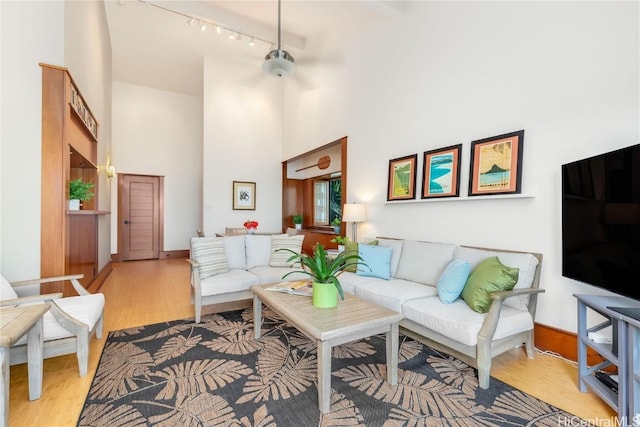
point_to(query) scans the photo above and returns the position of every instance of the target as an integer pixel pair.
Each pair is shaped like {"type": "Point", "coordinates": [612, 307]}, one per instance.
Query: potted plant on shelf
{"type": "Point", "coordinates": [297, 221]}
{"type": "Point", "coordinates": [341, 241]}
{"type": "Point", "coordinates": [79, 191]}
{"type": "Point", "coordinates": [336, 223]}
{"type": "Point", "coordinates": [324, 271]}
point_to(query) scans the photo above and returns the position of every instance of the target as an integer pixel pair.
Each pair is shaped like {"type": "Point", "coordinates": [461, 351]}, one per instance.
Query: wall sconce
{"type": "Point", "coordinates": [355, 213]}
{"type": "Point", "coordinates": [111, 171]}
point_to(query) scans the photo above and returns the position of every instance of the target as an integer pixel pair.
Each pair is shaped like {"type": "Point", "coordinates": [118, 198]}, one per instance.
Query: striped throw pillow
{"type": "Point", "coordinates": [210, 254]}
{"type": "Point", "coordinates": [279, 258]}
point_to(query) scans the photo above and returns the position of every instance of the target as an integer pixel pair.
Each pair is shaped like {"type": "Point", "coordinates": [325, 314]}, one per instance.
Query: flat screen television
{"type": "Point", "coordinates": [601, 221]}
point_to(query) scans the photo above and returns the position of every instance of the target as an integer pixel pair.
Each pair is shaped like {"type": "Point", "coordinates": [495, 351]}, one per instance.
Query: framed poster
{"type": "Point", "coordinates": [441, 172]}
{"type": "Point", "coordinates": [401, 184]}
{"type": "Point", "coordinates": [244, 195]}
{"type": "Point", "coordinates": [496, 164]}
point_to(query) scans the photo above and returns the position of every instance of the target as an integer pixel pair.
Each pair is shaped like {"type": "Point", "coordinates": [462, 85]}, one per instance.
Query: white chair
{"type": "Point", "coordinates": [67, 326]}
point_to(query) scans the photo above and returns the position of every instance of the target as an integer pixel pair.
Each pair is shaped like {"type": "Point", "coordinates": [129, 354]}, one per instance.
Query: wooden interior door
{"type": "Point", "coordinates": [139, 216]}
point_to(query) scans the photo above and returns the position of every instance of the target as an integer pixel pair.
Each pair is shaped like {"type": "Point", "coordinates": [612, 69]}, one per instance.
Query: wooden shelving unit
{"type": "Point", "coordinates": [69, 239]}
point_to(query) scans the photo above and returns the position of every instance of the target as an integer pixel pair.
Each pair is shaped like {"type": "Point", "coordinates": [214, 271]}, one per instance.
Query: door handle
{"type": "Point", "coordinates": [126, 221]}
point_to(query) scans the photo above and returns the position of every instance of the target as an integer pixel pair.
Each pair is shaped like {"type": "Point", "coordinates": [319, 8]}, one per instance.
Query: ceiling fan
{"type": "Point", "coordinates": [279, 62]}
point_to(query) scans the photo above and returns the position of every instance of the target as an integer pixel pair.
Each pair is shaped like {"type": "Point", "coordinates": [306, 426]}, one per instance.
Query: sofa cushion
{"type": "Point", "coordinates": [258, 250]}
{"type": "Point", "coordinates": [392, 293]}
{"type": "Point", "coordinates": [231, 281]}
{"type": "Point", "coordinates": [452, 280]}
{"type": "Point", "coordinates": [458, 322]}
{"type": "Point", "coordinates": [350, 280]}
{"type": "Point", "coordinates": [209, 253]}
{"type": "Point", "coordinates": [234, 248]}
{"type": "Point", "coordinates": [526, 262]}
{"type": "Point", "coordinates": [424, 262]}
{"type": "Point", "coordinates": [488, 276]}
{"type": "Point", "coordinates": [396, 245]}
{"type": "Point", "coordinates": [279, 258]}
{"type": "Point", "coordinates": [376, 260]}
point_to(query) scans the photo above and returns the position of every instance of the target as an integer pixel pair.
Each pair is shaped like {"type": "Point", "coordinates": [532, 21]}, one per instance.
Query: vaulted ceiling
{"type": "Point", "coordinates": [157, 44]}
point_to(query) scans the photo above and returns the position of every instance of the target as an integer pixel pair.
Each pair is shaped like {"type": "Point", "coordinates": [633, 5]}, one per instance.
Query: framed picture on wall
{"type": "Point", "coordinates": [401, 184]}
{"type": "Point", "coordinates": [441, 172]}
{"type": "Point", "coordinates": [244, 195]}
{"type": "Point", "coordinates": [496, 165]}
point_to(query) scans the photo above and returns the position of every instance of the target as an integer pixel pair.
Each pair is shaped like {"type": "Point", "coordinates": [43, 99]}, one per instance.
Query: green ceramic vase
{"type": "Point", "coordinates": [325, 295]}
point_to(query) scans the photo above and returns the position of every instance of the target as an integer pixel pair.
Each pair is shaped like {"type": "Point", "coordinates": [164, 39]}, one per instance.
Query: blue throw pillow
{"type": "Point", "coordinates": [451, 281]}
{"type": "Point", "coordinates": [378, 258]}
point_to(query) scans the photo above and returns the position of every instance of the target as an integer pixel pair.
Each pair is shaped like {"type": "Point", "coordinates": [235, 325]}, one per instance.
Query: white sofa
{"type": "Point", "coordinates": [413, 285]}
{"type": "Point", "coordinates": [415, 270]}
{"type": "Point", "coordinates": [224, 268]}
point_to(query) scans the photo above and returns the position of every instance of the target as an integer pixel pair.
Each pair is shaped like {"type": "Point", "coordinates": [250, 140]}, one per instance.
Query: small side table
{"type": "Point", "coordinates": [14, 323]}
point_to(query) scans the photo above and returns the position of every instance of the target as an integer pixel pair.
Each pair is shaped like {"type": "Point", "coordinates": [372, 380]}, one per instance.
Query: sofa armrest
{"type": "Point", "coordinates": [490, 323]}
{"type": "Point", "coordinates": [29, 300]}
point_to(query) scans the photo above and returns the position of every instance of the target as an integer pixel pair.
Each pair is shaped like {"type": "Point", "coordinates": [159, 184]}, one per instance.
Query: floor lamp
{"type": "Point", "coordinates": [354, 213]}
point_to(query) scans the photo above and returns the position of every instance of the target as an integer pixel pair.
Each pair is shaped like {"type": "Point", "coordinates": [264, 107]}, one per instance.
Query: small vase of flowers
{"type": "Point", "coordinates": [251, 226]}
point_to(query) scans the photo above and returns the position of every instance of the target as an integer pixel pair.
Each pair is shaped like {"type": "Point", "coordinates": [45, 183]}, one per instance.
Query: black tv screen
{"type": "Point", "coordinates": [601, 221]}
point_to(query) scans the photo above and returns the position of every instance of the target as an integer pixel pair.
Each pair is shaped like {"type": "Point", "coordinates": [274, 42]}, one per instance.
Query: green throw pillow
{"type": "Point", "coordinates": [351, 248]}
{"type": "Point", "coordinates": [488, 276]}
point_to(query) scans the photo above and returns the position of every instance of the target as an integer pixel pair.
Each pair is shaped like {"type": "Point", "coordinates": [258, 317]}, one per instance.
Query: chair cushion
{"type": "Point", "coordinates": [488, 276]}
{"type": "Point", "coordinates": [279, 257]}
{"type": "Point", "coordinates": [210, 254]}
{"type": "Point", "coordinates": [458, 322]}
{"type": "Point", "coordinates": [236, 253]}
{"type": "Point", "coordinates": [231, 281]}
{"type": "Point", "coordinates": [258, 250]}
{"type": "Point", "coordinates": [85, 308]}
{"type": "Point", "coordinates": [6, 290]}
{"type": "Point", "coordinates": [424, 262]}
{"type": "Point", "coordinates": [452, 280]}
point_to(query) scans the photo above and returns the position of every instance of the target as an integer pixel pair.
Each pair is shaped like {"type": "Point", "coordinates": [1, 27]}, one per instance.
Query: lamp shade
{"type": "Point", "coordinates": [278, 63]}
{"type": "Point", "coordinates": [354, 212]}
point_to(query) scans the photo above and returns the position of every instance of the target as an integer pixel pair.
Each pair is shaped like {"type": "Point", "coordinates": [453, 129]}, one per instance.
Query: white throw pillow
{"type": "Point", "coordinates": [279, 258]}
{"type": "Point", "coordinates": [210, 254]}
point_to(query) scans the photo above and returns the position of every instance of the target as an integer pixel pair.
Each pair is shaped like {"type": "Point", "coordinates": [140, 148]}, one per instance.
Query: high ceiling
{"type": "Point", "coordinates": [154, 45]}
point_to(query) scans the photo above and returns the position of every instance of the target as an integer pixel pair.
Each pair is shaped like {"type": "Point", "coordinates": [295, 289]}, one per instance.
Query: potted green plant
{"type": "Point", "coordinates": [336, 224]}
{"type": "Point", "coordinates": [297, 221]}
{"type": "Point", "coordinates": [79, 191]}
{"type": "Point", "coordinates": [324, 271]}
{"type": "Point", "coordinates": [341, 241]}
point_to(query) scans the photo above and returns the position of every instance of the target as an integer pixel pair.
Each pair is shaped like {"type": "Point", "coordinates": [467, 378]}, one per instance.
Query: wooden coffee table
{"type": "Point", "coordinates": [351, 320]}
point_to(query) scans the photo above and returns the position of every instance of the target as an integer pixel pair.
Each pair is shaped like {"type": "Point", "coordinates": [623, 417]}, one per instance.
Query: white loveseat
{"type": "Point", "coordinates": [415, 270]}
{"type": "Point", "coordinates": [224, 268]}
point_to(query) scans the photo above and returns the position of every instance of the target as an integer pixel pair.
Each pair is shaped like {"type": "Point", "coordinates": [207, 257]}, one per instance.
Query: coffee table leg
{"type": "Point", "coordinates": [4, 385]}
{"type": "Point", "coordinates": [34, 360]}
{"type": "Point", "coordinates": [392, 354]}
{"type": "Point", "coordinates": [257, 316]}
{"type": "Point", "coordinates": [324, 377]}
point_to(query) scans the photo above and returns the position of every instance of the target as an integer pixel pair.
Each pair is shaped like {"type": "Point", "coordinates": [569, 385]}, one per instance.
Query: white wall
{"type": "Point", "coordinates": [156, 132]}
{"type": "Point", "coordinates": [242, 142]}
{"type": "Point", "coordinates": [40, 41]}
{"type": "Point", "coordinates": [32, 33]}
{"type": "Point", "coordinates": [453, 72]}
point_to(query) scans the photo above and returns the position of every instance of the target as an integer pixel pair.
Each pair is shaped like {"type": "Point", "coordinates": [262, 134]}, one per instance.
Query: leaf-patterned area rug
{"type": "Point", "coordinates": [215, 373]}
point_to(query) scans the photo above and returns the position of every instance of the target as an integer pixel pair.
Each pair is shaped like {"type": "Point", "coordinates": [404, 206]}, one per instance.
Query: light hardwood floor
{"type": "Point", "coordinates": [145, 292]}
